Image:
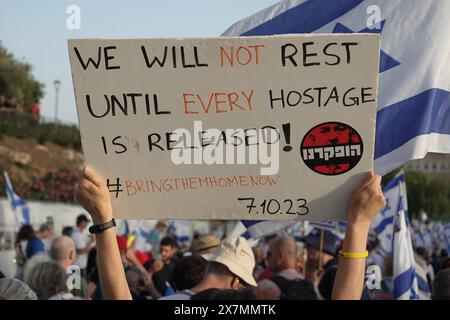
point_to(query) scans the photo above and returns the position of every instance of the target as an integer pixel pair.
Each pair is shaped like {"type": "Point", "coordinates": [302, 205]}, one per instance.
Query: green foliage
{"type": "Point", "coordinates": [425, 193]}
{"type": "Point", "coordinates": [63, 135]}
{"type": "Point", "coordinates": [20, 126]}
{"type": "Point", "coordinates": [17, 81]}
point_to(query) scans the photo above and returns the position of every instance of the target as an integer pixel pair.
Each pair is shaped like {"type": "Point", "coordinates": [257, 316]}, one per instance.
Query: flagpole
{"type": "Point", "coordinates": [320, 249]}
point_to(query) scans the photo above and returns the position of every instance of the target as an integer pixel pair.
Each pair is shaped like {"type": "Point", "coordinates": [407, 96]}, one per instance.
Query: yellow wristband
{"type": "Point", "coordinates": [353, 255]}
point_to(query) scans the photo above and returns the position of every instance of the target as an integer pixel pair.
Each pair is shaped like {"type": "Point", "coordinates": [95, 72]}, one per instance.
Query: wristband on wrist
{"type": "Point", "coordinates": [353, 255]}
{"type": "Point", "coordinates": [99, 228]}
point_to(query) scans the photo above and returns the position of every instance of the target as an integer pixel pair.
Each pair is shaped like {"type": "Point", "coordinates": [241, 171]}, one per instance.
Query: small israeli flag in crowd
{"type": "Point", "coordinates": [20, 206]}
{"type": "Point", "coordinates": [405, 279]}
{"type": "Point", "coordinates": [383, 224]}
{"type": "Point", "coordinates": [254, 229]}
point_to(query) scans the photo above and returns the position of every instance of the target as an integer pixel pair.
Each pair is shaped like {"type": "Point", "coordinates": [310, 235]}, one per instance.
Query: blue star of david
{"type": "Point", "coordinates": [386, 61]}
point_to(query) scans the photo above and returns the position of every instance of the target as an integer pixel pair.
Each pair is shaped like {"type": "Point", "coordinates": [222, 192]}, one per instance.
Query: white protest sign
{"type": "Point", "coordinates": [265, 128]}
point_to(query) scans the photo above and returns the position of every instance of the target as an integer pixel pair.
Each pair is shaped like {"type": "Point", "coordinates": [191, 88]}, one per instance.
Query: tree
{"type": "Point", "coordinates": [16, 80]}
{"type": "Point", "coordinates": [427, 193]}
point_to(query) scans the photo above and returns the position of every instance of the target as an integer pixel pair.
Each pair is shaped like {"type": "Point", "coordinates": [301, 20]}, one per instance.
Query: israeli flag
{"type": "Point", "coordinates": [124, 228]}
{"type": "Point", "coordinates": [405, 279]}
{"type": "Point", "coordinates": [183, 230]}
{"type": "Point", "coordinates": [255, 229]}
{"type": "Point", "coordinates": [422, 283]}
{"type": "Point", "coordinates": [383, 223]}
{"type": "Point", "coordinates": [418, 240]}
{"type": "Point", "coordinates": [20, 207]}
{"type": "Point", "coordinates": [324, 225]}
{"type": "Point", "coordinates": [414, 83]}
{"type": "Point", "coordinates": [335, 227]}
{"type": "Point", "coordinates": [137, 228]}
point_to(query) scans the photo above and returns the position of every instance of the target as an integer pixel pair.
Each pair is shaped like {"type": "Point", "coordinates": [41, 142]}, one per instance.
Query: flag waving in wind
{"type": "Point", "coordinates": [20, 207]}
{"type": "Point", "coordinates": [413, 115]}
{"type": "Point", "coordinates": [383, 223]}
{"type": "Point", "coordinates": [405, 279]}
{"type": "Point", "coordinates": [254, 229]}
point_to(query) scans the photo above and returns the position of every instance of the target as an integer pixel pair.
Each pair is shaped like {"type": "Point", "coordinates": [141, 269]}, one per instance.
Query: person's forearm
{"type": "Point", "coordinates": [349, 281]}
{"type": "Point", "coordinates": [83, 250]}
{"type": "Point", "coordinates": [151, 288]}
{"type": "Point", "coordinates": [110, 269]}
{"type": "Point", "coordinates": [88, 247]}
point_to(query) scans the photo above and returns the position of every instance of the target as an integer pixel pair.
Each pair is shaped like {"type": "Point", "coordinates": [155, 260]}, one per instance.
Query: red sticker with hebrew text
{"type": "Point", "coordinates": [331, 148]}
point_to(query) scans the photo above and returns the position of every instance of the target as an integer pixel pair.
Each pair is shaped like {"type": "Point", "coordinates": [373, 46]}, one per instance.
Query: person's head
{"type": "Point", "coordinates": [161, 226]}
{"type": "Point", "coordinates": [282, 254]}
{"type": "Point", "coordinates": [14, 289]}
{"type": "Point", "coordinates": [332, 133]}
{"type": "Point", "coordinates": [445, 264]}
{"type": "Point", "coordinates": [232, 263]}
{"type": "Point", "coordinates": [257, 252]}
{"type": "Point", "coordinates": [372, 243]}
{"type": "Point", "coordinates": [63, 251]}
{"type": "Point", "coordinates": [67, 231]}
{"type": "Point", "coordinates": [45, 231]}
{"type": "Point", "coordinates": [188, 272]}
{"type": "Point", "coordinates": [171, 231]}
{"type": "Point", "coordinates": [205, 244]}
{"type": "Point", "coordinates": [441, 285]}
{"type": "Point", "coordinates": [167, 248]}
{"type": "Point", "coordinates": [26, 232]}
{"type": "Point", "coordinates": [13, 101]}
{"type": "Point", "coordinates": [421, 252]}
{"type": "Point", "coordinates": [320, 239]}
{"type": "Point", "coordinates": [267, 290]}
{"type": "Point", "coordinates": [82, 222]}
{"type": "Point", "coordinates": [2, 100]}
{"type": "Point", "coordinates": [32, 262]}
{"type": "Point", "coordinates": [225, 294]}
{"type": "Point", "coordinates": [47, 279]}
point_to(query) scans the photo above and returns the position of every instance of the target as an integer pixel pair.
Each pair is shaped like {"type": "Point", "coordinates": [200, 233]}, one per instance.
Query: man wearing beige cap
{"type": "Point", "coordinates": [205, 244]}
{"type": "Point", "coordinates": [230, 266]}
{"type": "Point", "coordinates": [234, 255]}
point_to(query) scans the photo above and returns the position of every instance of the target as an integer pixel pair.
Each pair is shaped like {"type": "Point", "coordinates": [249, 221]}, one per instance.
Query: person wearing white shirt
{"type": "Point", "coordinates": [82, 241]}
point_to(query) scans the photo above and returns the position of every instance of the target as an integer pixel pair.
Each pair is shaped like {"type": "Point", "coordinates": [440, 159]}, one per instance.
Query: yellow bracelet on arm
{"type": "Point", "coordinates": [353, 255]}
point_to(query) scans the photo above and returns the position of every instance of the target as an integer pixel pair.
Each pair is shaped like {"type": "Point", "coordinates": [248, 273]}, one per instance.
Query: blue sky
{"type": "Point", "coordinates": [36, 31]}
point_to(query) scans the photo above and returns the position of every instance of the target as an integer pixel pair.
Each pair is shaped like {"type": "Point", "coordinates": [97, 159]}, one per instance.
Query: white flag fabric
{"type": "Point", "coordinates": [254, 229]}
{"type": "Point", "coordinates": [383, 223]}
{"type": "Point", "coordinates": [20, 206]}
{"type": "Point", "coordinates": [413, 115]}
{"type": "Point", "coordinates": [405, 279]}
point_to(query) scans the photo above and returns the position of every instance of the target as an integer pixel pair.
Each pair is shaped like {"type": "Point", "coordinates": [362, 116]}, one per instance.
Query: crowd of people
{"type": "Point", "coordinates": [11, 108]}
{"type": "Point", "coordinates": [280, 266]}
